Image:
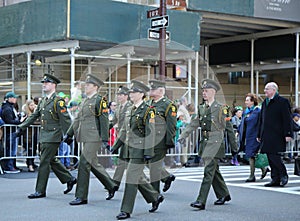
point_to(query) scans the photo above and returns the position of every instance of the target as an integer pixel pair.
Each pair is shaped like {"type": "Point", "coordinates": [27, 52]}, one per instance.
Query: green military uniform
{"type": "Point", "coordinates": [137, 137]}
{"type": "Point", "coordinates": [55, 121]}
{"type": "Point", "coordinates": [213, 122]}
{"type": "Point", "coordinates": [118, 120]}
{"type": "Point", "coordinates": [90, 128]}
{"type": "Point", "coordinates": [165, 130]}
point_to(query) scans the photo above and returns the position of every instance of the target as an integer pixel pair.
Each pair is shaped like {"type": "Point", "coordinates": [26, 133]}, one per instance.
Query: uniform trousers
{"type": "Point", "coordinates": [121, 166]}
{"type": "Point", "coordinates": [89, 162]}
{"type": "Point", "coordinates": [135, 180]}
{"type": "Point", "coordinates": [157, 170]}
{"type": "Point", "coordinates": [49, 160]}
{"type": "Point", "coordinates": [278, 169]}
{"type": "Point", "coordinates": [212, 177]}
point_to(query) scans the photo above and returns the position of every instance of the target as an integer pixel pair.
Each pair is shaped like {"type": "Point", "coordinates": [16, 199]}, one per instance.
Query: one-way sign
{"type": "Point", "coordinates": [160, 22]}
{"type": "Point", "coordinates": [155, 35]}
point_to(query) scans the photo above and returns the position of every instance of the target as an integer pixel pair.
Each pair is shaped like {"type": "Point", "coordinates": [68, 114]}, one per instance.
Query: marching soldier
{"type": "Point", "coordinates": [212, 118]}
{"type": "Point", "coordinates": [165, 130]}
{"type": "Point", "coordinates": [137, 139]}
{"type": "Point", "coordinates": [55, 121]}
{"type": "Point", "coordinates": [90, 128]}
{"type": "Point", "coordinates": [118, 120]}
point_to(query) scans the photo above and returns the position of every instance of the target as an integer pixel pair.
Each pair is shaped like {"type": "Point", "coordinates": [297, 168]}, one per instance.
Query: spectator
{"type": "Point", "coordinates": [73, 110]}
{"type": "Point", "coordinates": [275, 129]}
{"type": "Point", "coordinates": [10, 116]}
{"type": "Point", "coordinates": [248, 132]}
{"type": "Point", "coordinates": [182, 109]}
{"type": "Point", "coordinates": [236, 121]}
{"type": "Point", "coordinates": [30, 138]}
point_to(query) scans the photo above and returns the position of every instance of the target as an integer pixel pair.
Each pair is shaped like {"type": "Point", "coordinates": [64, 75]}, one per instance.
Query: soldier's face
{"type": "Point", "coordinates": [122, 98]}
{"type": "Point", "coordinates": [48, 87]}
{"type": "Point", "coordinates": [90, 88]}
{"type": "Point", "coordinates": [156, 93]}
{"type": "Point", "coordinates": [135, 97]}
{"type": "Point", "coordinates": [208, 93]}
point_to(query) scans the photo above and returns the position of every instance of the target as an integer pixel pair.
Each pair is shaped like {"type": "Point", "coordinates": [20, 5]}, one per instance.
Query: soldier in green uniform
{"type": "Point", "coordinates": [213, 120]}
{"type": "Point", "coordinates": [118, 121]}
{"type": "Point", "coordinates": [55, 121]}
{"type": "Point", "coordinates": [137, 139]}
{"type": "Point", "coordinates": [165, 129]}
{"type": "Point", "coordinates": [90, 128]}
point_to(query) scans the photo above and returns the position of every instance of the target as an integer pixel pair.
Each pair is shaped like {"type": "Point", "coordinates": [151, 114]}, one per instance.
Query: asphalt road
{"type": "Point", "coordinates": [250, 201]}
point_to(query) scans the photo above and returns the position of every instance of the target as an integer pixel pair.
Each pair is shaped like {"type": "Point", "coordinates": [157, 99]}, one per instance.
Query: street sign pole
{"type": "Point", "coordinates": [162, 44]}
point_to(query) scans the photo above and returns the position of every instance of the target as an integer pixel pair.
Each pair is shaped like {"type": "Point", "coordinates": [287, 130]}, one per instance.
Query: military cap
{"type": "Point", "coordinates": [209, 83]}
{"type": "Point", "coordinates": [50, 78]}
{"type": "Point", "coordinates": [138, 86]}
{"type": "Point", "coordinates": [123, 90]}
{"type": "Point", "coordinates": [94, 80]}
{"type": "Point", "coordinates": [154, 84]}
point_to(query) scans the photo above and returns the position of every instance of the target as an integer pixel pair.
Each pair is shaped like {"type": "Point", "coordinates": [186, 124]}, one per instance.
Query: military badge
{"type": "Point", "coordinates": [61, 103]}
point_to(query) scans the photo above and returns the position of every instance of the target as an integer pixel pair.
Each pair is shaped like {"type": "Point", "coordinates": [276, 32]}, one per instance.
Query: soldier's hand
{"type": "Point", "coordinates": [105, 145]}
{"type": "Point", "coordinates": [147, 157]}
{"type": "Point", "coordinates": [181, 140]}
{"type": "Point", "coordinates": [67, 139]}
{"type": "Point", "coordinates": [113, 151]}
{"type": "Point", "coordinates": [19, 132]}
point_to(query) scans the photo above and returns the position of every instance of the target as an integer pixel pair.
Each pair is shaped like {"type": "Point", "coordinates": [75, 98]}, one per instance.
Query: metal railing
{"type": "Point", "coordinates": [26, 146]}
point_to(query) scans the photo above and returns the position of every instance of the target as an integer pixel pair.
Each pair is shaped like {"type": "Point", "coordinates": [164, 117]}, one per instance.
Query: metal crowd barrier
{"type": "Point", "coordinates": [190, 148]}
{"type": "Point", "coordinates": [26, 146]}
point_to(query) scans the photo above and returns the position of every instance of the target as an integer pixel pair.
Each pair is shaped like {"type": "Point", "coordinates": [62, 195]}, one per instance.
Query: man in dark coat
{"type": "Point", "coordinates": [275, 129]}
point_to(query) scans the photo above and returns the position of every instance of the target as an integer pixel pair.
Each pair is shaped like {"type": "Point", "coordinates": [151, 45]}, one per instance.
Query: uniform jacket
{"type": "Point", "coordinates": [54, 119]}
{"type": "Point", "coordinates": [248, 132]}
{"type": "Point", "coordinates": [275, 123]}
{"type": "Point", "coordinates": [213, 122]}
{"type": "Point", "coordinates": [165, 122]}
{"type": "Point", "coordinates": [91, 123]}
{"type": "Point", "coordinates": [119, 119]}
{"type": "Point", "coordinates": [137, 133]}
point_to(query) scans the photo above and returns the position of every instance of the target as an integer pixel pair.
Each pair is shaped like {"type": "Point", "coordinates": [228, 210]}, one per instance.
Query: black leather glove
{"type": "Point", "coordinates": [105, 145]}
{"type": "Point", "coordinates": [147, 157]}
{"type": "Point", "coordinates": [181, 140]}
{"type": "Point", "coordinates": [114, 151]}
{"type": "Point", "coordinates": [67, 139]}
{"type": "Point", "coordinates": [19, 132]}
{"type": "Point", "coordinates": [170, 146]}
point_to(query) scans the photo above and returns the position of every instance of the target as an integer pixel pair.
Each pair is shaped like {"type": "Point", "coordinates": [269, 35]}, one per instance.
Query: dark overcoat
{"type": "Point", "coordinates": [275, 123]}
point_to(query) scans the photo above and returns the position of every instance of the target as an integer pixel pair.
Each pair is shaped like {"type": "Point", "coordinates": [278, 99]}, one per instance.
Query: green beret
{"type": "Point", "coordinates": [50, 78]}
{"type": "Point", "coordinates": [209, 83]}
{"type": "Point", "coordinates": [94, 80]}
{"type": "Point", "coordinates": [123, 90]}
{"type": "Point", "coordinates": [138, 86]}
{"type": "Point", "coordinates": [154, 84]}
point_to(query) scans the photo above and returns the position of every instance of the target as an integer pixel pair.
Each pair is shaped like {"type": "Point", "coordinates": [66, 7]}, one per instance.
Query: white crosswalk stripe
{"type": "Point", "coordinates": [236, 176]}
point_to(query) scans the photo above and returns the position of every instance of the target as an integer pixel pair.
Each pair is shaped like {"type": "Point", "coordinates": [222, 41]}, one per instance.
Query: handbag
{"type": "Point", "coordinates": [261, 160]}
{"type": "Point", "coordinates": [297, 167]}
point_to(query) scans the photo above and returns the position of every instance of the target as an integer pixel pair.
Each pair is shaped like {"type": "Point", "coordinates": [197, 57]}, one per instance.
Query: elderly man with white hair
{"type": "Point", "coordinates": [275, 129]}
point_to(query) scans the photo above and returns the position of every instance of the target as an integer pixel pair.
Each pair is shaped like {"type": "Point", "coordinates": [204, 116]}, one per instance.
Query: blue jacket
{"type": "Point", "coordinates": [248, 131]}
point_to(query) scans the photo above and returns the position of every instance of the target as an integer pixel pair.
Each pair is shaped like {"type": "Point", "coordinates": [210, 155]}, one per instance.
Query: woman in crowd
{"type": "Point", "coordinates": [30, 138]}
{"type": "Point", "coordinates": [248, 133]}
